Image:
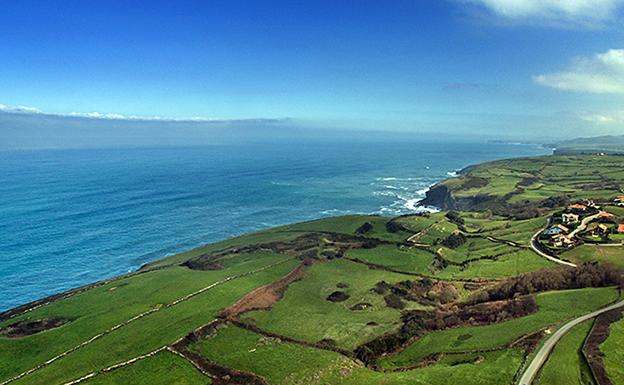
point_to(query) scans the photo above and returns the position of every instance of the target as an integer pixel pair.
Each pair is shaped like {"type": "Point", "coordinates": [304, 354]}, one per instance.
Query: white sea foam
{"type": "Point", "coordinates": [335, 212]}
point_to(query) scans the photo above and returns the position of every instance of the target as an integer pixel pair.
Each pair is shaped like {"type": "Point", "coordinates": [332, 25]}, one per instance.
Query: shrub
{"type": "Point", "coordinates": [338, 296]}
{"type": "Point", "coordinates": [365, 228]}
{"type": "Point", "coordinates": [454, 217]}
{"type": "Point", "coordinates": [394, 301]}
{"type": "Point", "coordinates": [454, 240]}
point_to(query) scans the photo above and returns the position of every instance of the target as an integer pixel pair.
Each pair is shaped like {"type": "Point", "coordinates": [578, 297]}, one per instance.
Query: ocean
{"type": "Point", "coordinates": [71, 217]}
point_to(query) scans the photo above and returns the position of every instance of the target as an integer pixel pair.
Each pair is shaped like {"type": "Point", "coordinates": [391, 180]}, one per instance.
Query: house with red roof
{"type": "Point", "coordinates": [561, 240]}
{"type": "Point", "coordinates": [577, 207]}
{"type": "Point", "coordinates": [605, 215]}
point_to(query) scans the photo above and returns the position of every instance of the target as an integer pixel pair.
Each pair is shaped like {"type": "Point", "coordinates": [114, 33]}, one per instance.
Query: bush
{"type": "Point", "coordinates": [562, 278]}
{"type": "Point", "coordinates": [454, 240]}
{"type": "Point", "coordinates": [454, 217]}
{"type": "Point", "coordinates": [338, 296]}
{"type": "Point", "coordinates": [394, 227]}
{"type": "Point", "coordinates": [381, 287]}
{"type": "Point", "coordinates": [394, 301]}
{"type": "Point", "coordinates": [365, 228]}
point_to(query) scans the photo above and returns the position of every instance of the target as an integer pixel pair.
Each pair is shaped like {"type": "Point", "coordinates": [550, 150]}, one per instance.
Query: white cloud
{"type": "Point", "coordinates": [19, 109]}
{"type": "Point", "coordinates": [603, 118]}
{"type": "Point", "coordinates": [26, 110]}
{"type": "Point", "coordinates": [601, 74]}
{"type": "Point", "coordinates": [588, 13]}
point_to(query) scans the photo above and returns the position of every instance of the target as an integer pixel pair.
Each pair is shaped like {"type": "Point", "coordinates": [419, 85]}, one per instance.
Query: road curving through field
{"type": "Point", "coordinates": [542, 354]}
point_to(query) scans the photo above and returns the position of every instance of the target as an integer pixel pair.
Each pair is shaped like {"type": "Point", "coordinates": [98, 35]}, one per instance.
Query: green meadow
{"type": "Point", "coordinates": [566, 364]}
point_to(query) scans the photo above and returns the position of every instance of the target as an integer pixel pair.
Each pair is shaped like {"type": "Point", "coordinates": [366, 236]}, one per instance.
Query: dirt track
{"type": "Point", "coordinates": [264, 297]}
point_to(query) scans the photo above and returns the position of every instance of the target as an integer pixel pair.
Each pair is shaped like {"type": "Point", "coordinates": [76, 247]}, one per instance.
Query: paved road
{"type": "Point", "coordinates": [544, 352]}
{"type": "Point", "coordinates": [581, 227]}
{"type": "Point", "coordinates": [584, 223]}
{"type": "Point", "coordinates": [543, 254]}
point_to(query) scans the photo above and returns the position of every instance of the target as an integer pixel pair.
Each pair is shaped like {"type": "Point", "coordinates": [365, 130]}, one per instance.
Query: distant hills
{"type": "Point", "coordinates": [609, 144]}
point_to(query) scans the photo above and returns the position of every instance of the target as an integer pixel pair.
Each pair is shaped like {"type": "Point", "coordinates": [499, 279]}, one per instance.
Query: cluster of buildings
{"type": "Point", "coordinates": [619, 201]}
{"type": "Point", "coordinates": [559, 235]}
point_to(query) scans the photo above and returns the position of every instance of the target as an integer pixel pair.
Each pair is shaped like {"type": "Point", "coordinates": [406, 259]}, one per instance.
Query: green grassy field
{"type": "Point", "coordinates": [554, 307]}
{"type": "Point", "coordinates": [589, 253]}
{"type": "Point", "coordinates": [139, 337]}
{"type": "Point", "coordinates": [164, 368]}
{"type": "Point", "coordinates": [412, 260]}
{"type": "Point", "coordinates": [290, 364]}
{"type": "Point", "coordinates": [475, 247]}
{"type": "Point", "coordinates": [518, 262]}
{"type": "Point", "coordinates": [529, 180]}
{"type": "Point", "coordinates": [566, 364]}
{"type": "Point", "coordinates": [305, 313]}
{"type": "Point", "coordinates": [613, 350]}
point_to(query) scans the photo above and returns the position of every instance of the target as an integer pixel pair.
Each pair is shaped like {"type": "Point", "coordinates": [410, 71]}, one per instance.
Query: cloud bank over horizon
{"type": "Point", "coordinates": [24, 127]}
{"type": "Point", "coordinates": [499, 69]}
{"type": "Point", "coordinates": [4, 108]}
{"type": "Point", "coordinates": [29, 128]}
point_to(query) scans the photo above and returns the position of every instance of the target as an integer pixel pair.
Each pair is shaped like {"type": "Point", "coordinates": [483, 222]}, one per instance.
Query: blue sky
{"type": "Point", "coordinates": [497, 68]}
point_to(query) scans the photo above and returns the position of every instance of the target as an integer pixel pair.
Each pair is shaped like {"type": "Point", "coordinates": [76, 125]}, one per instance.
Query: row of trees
{"type": "Point", "coordinates": [416, 321]}
{"type": "Point", "coordinates": [562, 278]}
{"type": "Point", "coordinates": [419, 322]}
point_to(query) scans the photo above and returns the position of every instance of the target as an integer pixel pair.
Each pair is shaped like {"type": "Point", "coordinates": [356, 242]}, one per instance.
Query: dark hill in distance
{"type": "Point", "coordinates": [609, 144]}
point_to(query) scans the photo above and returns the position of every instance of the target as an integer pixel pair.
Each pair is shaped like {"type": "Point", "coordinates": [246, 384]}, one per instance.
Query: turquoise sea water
{"type": "Point", "coordinates": [70, 217]}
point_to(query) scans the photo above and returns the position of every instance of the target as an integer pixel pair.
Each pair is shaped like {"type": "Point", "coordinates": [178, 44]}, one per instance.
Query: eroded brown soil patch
{"type": "Point", "coordinates": [264, 297]}
{"type": "Point", "coordinates": [27, 328]}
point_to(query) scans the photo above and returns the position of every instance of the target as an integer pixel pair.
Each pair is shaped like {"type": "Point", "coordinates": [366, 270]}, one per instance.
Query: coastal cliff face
{"type": "Point", "coordinates": [479, 188]}
{"type": "Point", "coordinates": [439, 196]}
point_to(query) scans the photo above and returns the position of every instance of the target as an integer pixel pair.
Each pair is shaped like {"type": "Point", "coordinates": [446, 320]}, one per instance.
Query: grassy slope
{"type": "Point", "coordinates": [162, 369]}
{"type": "Point", "coordinates": [518, 262]}
{"type": "Point", "coordinates": [305, 313]}
{"type": "Point", "coordinates": [589, 253]}
{"type": "Point", "coordinates": [289, 364]}
{"type": "Point", "coordinates": [410, 260]}
{"type": "Point", "coordinates": [566, 364]}
{"type": "Point", "coordinates": [613, 349]}
{"type": "Point", "coordinates": [139, 337]}
{"type": "Point", "coordinates": [554, 175]}
{"type": "Point", "coordinates": [344, 224]}
{"type": "Point", "coordinates": [554, 307]}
